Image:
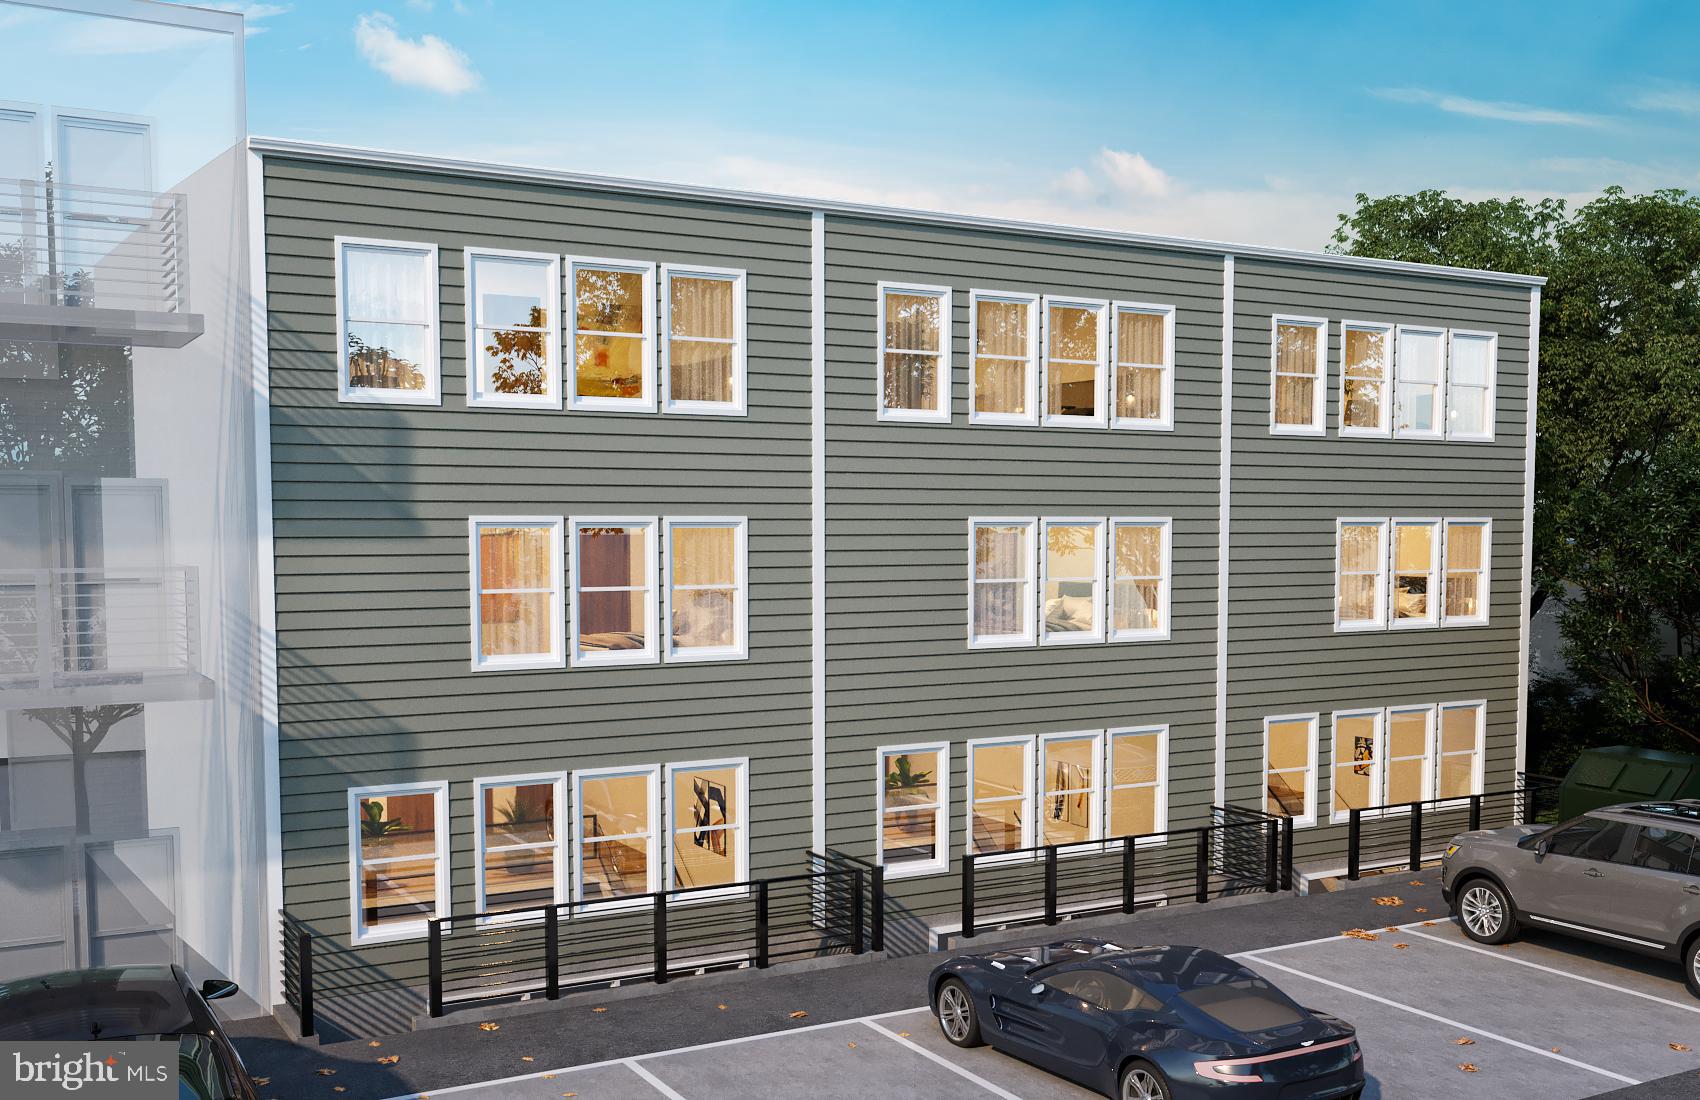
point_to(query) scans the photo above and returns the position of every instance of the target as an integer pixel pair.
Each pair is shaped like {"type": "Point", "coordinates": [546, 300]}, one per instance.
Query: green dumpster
{"type": "Point", "coordinates": [1621, 773]}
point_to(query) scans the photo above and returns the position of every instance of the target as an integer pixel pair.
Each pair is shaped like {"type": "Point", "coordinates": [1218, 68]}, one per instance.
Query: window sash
{"type": "Point", "coordinates": [1024, 581]}
{"type": "Point", "coordinates": [1477, 709]}
{"type": "Point", "coordinates": [578, 654]}
{"type": "Point", "coordinates": [1049, 414]}
{"type": "Point", "coordinates": [1480, 575]}
{"type": "Point", "coordinates": [348, 315]}
{"type": "Point", "coordinates": [437, 857]}
{"type": "Point", "coordinates": [1288, 412]}
{"type": "Point", "coordinates": [1428, 576]}
{"type": "Point", "coordinates": [1378, 571]}
{"type": "Point", "coordinates": [734, 829]}
{"type": "Point", "coordinates": [1060, 636]}
{"type": "Point", "coordinates": [583, 845]}
{"type": "Point", "coordinates": [1341, 761]}
{"type": "Point", "coordinates": [939, 409]}
{"type": "Point", "coordinates": [737, 404]}
{"type": "Point", "coordinates": [938, 806]}
{"type": "Point", "coordinates": [480, 330]}
{"type": "Point", "coordinates": [1360, 388]}
{"type": "Point", "coordinates": [1165, 366]}
{"type": "Point", "coordinates": [552, 657]}
{"type": "Point", "coordinates": [1028, 360]}
{"type": "Point", "coordinates": [738, 648]}
{"type": "Point", "coordinates": [1161, 580]}
{"type": "Point", "coordinates": [645, 338]}
{"type": "Point", "coordinates": [1158, 784]}
{"type": "Point", "coordinates": [1023, 798]}
{"type": "Point", "coordinates": [1483, 429]}
{"type": "Point", "coordinates": [1419, 410]}
{"type": "Point", "coordinates": [1092, 814]}
{"type": "Point", "coordinates": [483, 848]}
{"type": "Point", "coordinates": [1307, 815]}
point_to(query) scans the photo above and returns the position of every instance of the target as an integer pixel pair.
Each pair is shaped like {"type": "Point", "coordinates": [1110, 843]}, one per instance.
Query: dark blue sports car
{"type": "Point", "coordinates": [1147, 1023]}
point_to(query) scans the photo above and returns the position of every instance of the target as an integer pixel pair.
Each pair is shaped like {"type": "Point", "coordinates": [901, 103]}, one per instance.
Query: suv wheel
{"type": "Point", "coordinates": [1691, 965]}
{"type": "Point", "coordinates": [1486, 913]}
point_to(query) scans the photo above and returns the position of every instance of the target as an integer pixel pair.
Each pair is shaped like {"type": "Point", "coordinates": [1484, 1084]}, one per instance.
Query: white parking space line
{"type": "Point", "coordinates": [943, 1061]}
{"type": "Point", "coordinates": [658, 1084]}
{"type": "Point", "coordinates": [1544, 1052]}
{"type": "Point", "coordinates": [1504, 956]}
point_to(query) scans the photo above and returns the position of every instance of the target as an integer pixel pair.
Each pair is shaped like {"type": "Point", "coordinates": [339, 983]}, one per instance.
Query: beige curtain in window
{"type": "Point", "coordinates": [1295, 375]}
{"type": "Point", "coordinates": [1140, 356]}
{"type": "Point", "coordinates": [701, 351]}
{"type": "Point", "coordinates": [1000, 357]}
{"type": "Point", "coordinates": [912, 350]}
{"type": "Point", "coordinates": [516, 592]}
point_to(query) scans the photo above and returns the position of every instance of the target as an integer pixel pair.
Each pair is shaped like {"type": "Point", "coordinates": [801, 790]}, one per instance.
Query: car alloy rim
{"type": "Point", "coordinates": [1481, 910]}
{"type": "Point", "coordinates": [1141, 1085]}
{"type": "Point", "coordinates": [953, 1013]}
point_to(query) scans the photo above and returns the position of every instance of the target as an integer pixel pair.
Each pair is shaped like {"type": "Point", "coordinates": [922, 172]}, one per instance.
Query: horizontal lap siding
{"type": "Point", "coordinates": [899, 497]}
{"type": "Point", "coordinates": [1283, 654]}
{"type": "Point", "coordinates": [371, 507]}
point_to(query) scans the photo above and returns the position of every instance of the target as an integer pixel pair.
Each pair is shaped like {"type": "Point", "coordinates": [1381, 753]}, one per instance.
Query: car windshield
{"type": "Point", "coordinates": [1244, 1004]}
{"type": "Point", "coordinates": [95, 1004]}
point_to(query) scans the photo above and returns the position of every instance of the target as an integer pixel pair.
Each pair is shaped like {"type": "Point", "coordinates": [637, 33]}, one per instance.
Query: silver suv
{"type": "Point", "coordinates": [1624, 875]}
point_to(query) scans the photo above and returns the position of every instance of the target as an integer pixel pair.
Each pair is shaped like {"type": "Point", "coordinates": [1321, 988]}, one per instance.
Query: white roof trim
{"type": "Point", "coordinates": [285, 147]}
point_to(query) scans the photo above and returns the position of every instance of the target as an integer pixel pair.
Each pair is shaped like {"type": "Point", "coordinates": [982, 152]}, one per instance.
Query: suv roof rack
{"type": "Point", "coordinates": [1685, 808]}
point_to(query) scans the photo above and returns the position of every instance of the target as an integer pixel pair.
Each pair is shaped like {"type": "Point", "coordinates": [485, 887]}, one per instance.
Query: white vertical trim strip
{"type": "Point", "coordinates": [1220, 789]}
{"type": "Point", "coordinates": [1527, 587]}
{"type": "Point", "coordinates": [817, 529]}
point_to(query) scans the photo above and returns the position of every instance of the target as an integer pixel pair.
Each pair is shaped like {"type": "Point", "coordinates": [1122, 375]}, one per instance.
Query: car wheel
{"type": "Point", "coordinates": [1143, 1081]}
{"type": "Point", "coordinates": [958, 1018]}
{"type": "Point", "coordinates": [1691, 965]}
{"type": "Point", "coordinates": [1485, 912]}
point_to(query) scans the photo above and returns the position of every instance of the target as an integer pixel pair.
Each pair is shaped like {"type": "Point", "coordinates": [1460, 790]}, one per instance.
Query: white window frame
{"type": "Point", "coordinates": [1100, 377]}
{"type": "Point", "coordinates": [1383, 562]}
{"type": "Point", "coordinates": [651, 651]}
{"type": "Point", "coordinates": [1095, 803]}
{"type": "Point", "coordinates": [558, 780]}
{"type": "Point", "coordinates": [739, 405]}
{"type": "Point", "coordinates": [940, 414]}
{"type": "Point", "coordinates": [1478, 767]}
{"type": "Point", "coordinates": [1026, 799]}
{"type": "Point", "coordinates": [1436, 528]}
{"type": "Point", "coordinates": [1313, 718]}
{"type": "Point", "coordinates": [1319, 392]}
{"type": "Point", "coordinates": [1486, 590]}
{"type": "Point", "coordinates": [1165, 585]}
{"type": "Point", "coordinates": [1384, 425]}
{"type": "Point", "coordinates": [740, 766]}
{"type": "Point", "coordinates": [740, 648]}
{"type": "Point", "coordinates": [409, 930]}
{"type": "Point", "coordinates": [1377, 778]}
{"type": "Point", "coordinates": [1440, 404]}
{"type": "Point", "coordinates": [551, 397]}
{"type": "Point", "coordinates": [643, 403]}
{"type": "Point", "coordinates": [1430, 717]}
{"type": "Point", "coordinates": [1029, 605]}
{"type": "Point", "coordinates": [596, 907]}
{"type": "Point", "coordinates": [1490, 391]}
{"type": "Point", "coordinates": [1110, 786]}
{"type": "Point", "coordinates": [432, 394]}
{"type": "Point", "coordinates": [1030, 392]}
{"type": "Point", "coordinates": [1165, 422]}
{"type": "Point", "coordinates": [556, 657]}
{"type": "Point", "coordinates": [1097, 633]}
{"type": "Point", "coordinates": [940, 863]}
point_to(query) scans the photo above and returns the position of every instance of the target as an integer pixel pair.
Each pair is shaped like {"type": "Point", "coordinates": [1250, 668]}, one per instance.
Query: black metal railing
{"type": "Point", "coordinates": [298, 972]}
{"type": "Point", "coordinates": [1410, 833]}
{"type": "Point", "coordinates": [840, 896]}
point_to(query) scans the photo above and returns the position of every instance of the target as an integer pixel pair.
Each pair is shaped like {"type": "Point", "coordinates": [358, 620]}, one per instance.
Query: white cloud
{"type": "Point", "coordinates": [423, 62]}
{"type": "Point", "coordinates": [1680, 98]}
{"type": "Point", "coordinates": [1482, 108]}
{"type": "Point", "coordinates": [1133, 175]}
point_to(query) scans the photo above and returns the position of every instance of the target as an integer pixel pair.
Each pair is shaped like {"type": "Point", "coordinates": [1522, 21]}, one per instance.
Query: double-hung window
{"type": "Point", "coordinates": [1382, 757]}
{"type": "Point", "coordinates": [1357, 761]}
{"type": "Point", "coordinates": [1004, 333]}
{"type": "Point", "coordinates": [613, 591]}
{"type": "Point", "coordinates": [1470, 386]}
{"type": "Point", "coordinates": [1360, 579]}
{"type": "Point", "coordinates": [1458, 763]}
{"type": "Point", "coordinates": [399, 866]}
{"type": "Point", "coordinates": [1073, 592]}
{"type": "Point", "coordinates": [1069, 790]}
{"type": "Point", "coordinates": [1000, 596]}
{"type": "Point", "coordinates": [516, 592]}
{"type": "Point", "coordinates": [520, 834]}
{"type": "Point", "coordinates": [386, 322]}
{"type": "Point", "coordinates": [914, 365]}
{"type": "Point", "coordinates": [616, 815]}
{"type": "Point", "coordinates": [1138, 781]}
{"type": "Point", "coordinates": [1421, 380]}
{"type": "Point", "coordinates": [1139, 579]}
{"type": "Point", "coordinates": [914, 810]}
{"type": "Point", "coordinates": [1410, 745]}
{"type": "Point", "coordinates": [612, 303]}
{"type": "Point", "coordinates": [1076, 332]}
{"type": "Point", "coordinates": [1145, 366]}
{"type": "Point", "coordinates": [707, 610]}
{"type": "Point", "coordinates": [1468, 545]}
{"type": "Point", "coordinates": [703, 354]}
{"type": "Point", "coordinates": [709, 842]}
{"type": "Point", "coordinates": [1289, 767]}
{"type": "Point", "coordinates": [1298, 374]}
{"type": "Point", "coordinates": [513, 342]}
{"type": "Point", "coordinates": [1416, 549]}
{"type": "Point", "coordinates": [1000, 795]}
{"type": "Point", "coordinates": [1366, 368]}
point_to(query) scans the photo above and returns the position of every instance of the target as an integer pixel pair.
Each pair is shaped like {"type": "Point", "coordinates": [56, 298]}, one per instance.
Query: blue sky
{"type": "Point", "coordinates": [1236, 121]}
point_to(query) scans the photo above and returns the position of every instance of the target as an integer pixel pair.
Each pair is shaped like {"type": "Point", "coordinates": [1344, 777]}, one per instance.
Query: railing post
{"type": "Point", "coordinates": [1129, 869]}
{"type": "Point", "coordinates": [1416, 835]}
{"type": "Point", "coordinates": [968, 895]}
{"type": "Point", "coordinates": [551, 954]}
{"type": "Point", "coordinates": [761, 925]}
{"type": "Point", "coordinates": [876, 906]}
{"type": "Point", "coordinates": [47, 625]}
{"type": "Point", "coordinates": [1201, 872]}
{"type": "Point", "coordinates": [434, 962]}
{"type": "Point", "coordinates": [1475, 812]}
{"type": "Point", "coordinates": [858, 939]}
{"type": "Point", "coordinates": [1050, 884]}
{"type": "Point", "coordinates": [660, 934]}
{"type": "Point", "coordinates": [1354, 833]}
{"type": "Point", "coordinates": [1271, 856]}
{"type": "Point", "coordinates": [304, 957]}
{"type": "Point", "coordinates": [1286, 853]}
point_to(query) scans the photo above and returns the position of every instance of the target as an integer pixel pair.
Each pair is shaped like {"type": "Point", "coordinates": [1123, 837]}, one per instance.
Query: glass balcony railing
{"type": "Point", "coordinates": [65, 628]}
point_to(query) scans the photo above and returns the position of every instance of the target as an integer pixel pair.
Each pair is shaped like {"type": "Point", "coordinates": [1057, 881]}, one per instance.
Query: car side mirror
{"type": "Point", "coordinates": [215, 988]}
{"type": "Point", "coordinates": [1541, 849]}
{"type": "Point", "coordinates": [1038, 988]}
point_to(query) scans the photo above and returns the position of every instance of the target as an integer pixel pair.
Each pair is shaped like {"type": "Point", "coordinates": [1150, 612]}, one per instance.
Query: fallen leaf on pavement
{"type": "Point", "coordinates": [1391, 928]}
{"type": "Point", "coordinates": [599, 1008]}
{"type": "Point", "coordinates": [903, 1035]}
{"type": "Point", "coordinates": [1429, 923]}
{"type": "Point", "coordinates": [487, 1026]}
{"type": "Point", "coordinates": [721, 1007]}
{"type": "Point", "coordinates": [527, 1058]}
{"type": "Point", "coordinates": [548, 1076]}
{"type": "Point", "coordinates": [374, 1043]}
{"type": "Point", "coordinates": [1463, 1042]}
{"type": "Point", "coordinates": [1400, 946]}
{"type": "Point", "coordinates": [1681, 1047]}
{"type": "Point", "coordinates": [1416, 882]}
{"type": "Point", "coordinates": [852, 1046]}
{"type": "Point", "coordinates": [1360, 934]}
{"type": "Point", "coordinates": [1468, 1067]}
{"type": "Point", "coordinates": [389, 1059]}
{"type": "Point", "coordinates": [1419, 909]}
{"type": "Point", "coordinates": [1555, 1050]}
{"type": "Point", "coordinates": [798, 1015]}
{"type": "Point", "coordinates": [1389, 901]}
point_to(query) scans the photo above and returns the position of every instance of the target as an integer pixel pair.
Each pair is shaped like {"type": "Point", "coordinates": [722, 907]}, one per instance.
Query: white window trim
{"type": "Point", "coordinates": [555, 658]}
{"type": "Point", "coordinates": [740, 766]}
{"type": "Point", "coordinates": [432, 394]}
{"type": "Point", "coordinates": [1486, 524]}
{"type": "Point", "coordinates": [1314, 719]}
{"type": "Point", "coordinates": [940, 863]}
{"type": "Point", "coordinates": [1165, 525]}
{"type": "Point", "coordinates": [551, 398]}
{"type": "Point", "coordinates": [1319, 393]}
{"type": "Point", "coordinates": [1071, 637]}
{"type": "Point", "coordinates": [1026, 800]}
{"type": "Point", "coordinates": [359, 933]}
{"type": "Point", "coordinates": [1479, 752]}
{"type": "Point", "coordinates": [1489, 397]}
{"type": "Point", "coordinates": [480, 853]}
{"type": "Point", "coordinates": [1029, 620]}
{"type": "Point", "coordinates": [1382, 600]}
{"type": "Point", "coordinates": [740, 648]}
{"type": "Point", "coordinates": [1431, 717]}
{"type": "Point", "coordinates": [1384, 426]}
{"type": "Point", "coordinates": [1377, 783]}
{"type": "Point", "coordinates": [1100, 378]}
{"type": "Point", "coordinates": [1436, 527]}
{"type": "Point", "coordinates": [651, 652]}
{"type": "Point", "coordinates": [1440, 405]}
{"type": "Point", "coordinates": [1031, 390]}
{"type": "Point", "coordinates": [1095, 803]}
{"type": "Point", "coordinates": [739, 405]}
{"type": "Point", "coordinates": [644, 403]}
{"type": "Point", "coordinates": [1166, 422]}
{"type": "Point", "coordinates": [1110, 786]}
{"type": "Point", "coordinates": [941, 384]}
{"type": "Point", "coordinates": [596, 907]}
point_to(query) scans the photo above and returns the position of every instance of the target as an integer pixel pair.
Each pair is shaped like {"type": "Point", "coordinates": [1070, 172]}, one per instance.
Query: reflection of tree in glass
{"type": "Point", "coordinates": [373, 366]}
{"type": "Point", "coordinates": [82, 729]}
{"type": "Point", "coordinates": [520, 356]}
{"type": "Point", "coordinates": [66, 408]}
{"type": "Point", "coordinates": [608, 302]}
